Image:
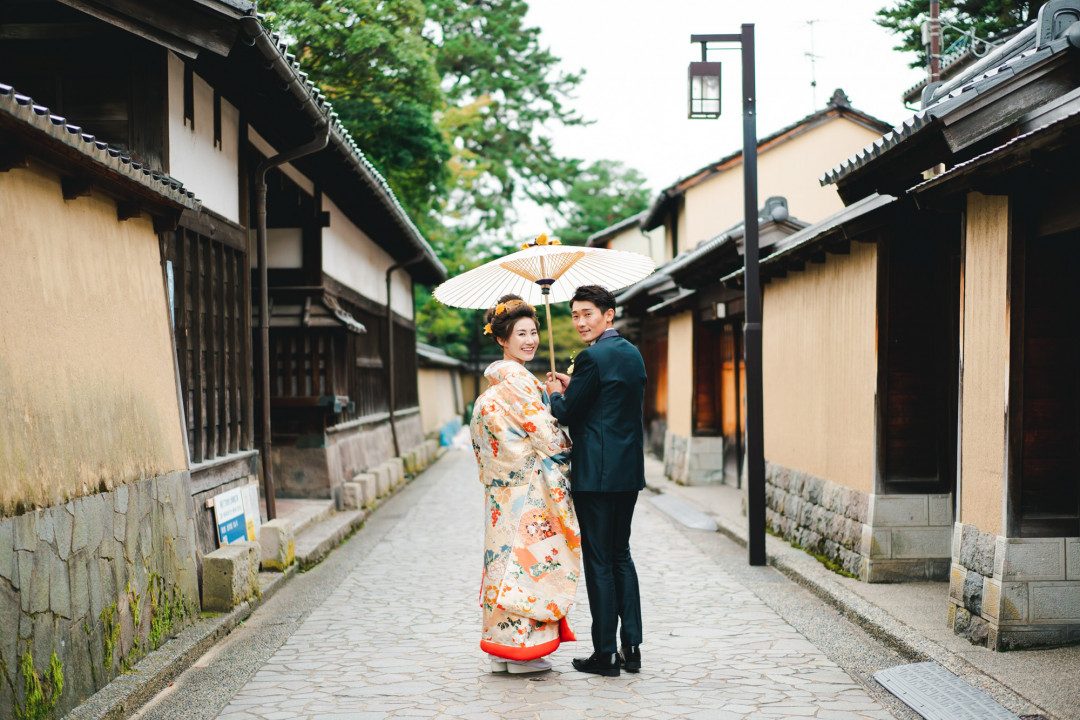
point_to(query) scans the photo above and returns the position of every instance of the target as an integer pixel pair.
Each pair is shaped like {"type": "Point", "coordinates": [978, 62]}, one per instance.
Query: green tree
{"type": "Point", "coordinates": [601, 195]}
{"type": "Point", "coordinates": [987, 19]}
{"type": "Point", "coordinates": [503, 90]}
{"type": "Point", "coordinates": [374, 64]}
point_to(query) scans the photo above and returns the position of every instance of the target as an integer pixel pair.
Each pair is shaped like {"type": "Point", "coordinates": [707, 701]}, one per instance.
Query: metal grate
{"type": "Point", "coordinates": [937, 694]}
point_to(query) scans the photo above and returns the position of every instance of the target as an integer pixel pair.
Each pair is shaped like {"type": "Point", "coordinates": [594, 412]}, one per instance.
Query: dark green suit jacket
{"type": "Point", "coordinates": [602, 409]}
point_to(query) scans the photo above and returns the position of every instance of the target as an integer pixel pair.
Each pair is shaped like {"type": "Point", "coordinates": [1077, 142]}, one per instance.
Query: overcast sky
{"type": "Point", "coordinates": [635, 53]}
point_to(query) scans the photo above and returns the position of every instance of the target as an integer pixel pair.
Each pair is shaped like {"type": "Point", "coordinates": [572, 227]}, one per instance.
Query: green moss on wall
{"type": "Point", "coordinates": [40, 694]}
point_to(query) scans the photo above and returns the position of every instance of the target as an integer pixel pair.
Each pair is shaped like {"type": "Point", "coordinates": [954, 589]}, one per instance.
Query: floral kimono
{"type": "Point", "coordinates": [532, 550]}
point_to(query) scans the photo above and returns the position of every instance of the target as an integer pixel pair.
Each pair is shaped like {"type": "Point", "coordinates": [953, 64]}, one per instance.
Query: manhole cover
{"type": "Point", "coordinates": [937, 694]}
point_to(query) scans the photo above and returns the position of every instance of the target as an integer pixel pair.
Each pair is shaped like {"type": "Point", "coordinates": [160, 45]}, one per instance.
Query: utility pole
{"type": "Point", "coordinates": [813, 66]}
{"type": "Point", "coordinates": [705, 103]}
{"type": "Point", "coordinates": [935, 40]}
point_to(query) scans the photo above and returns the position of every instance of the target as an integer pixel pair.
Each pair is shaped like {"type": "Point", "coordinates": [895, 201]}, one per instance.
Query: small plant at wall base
{"type": "Point", "coordinates": [110, 638]}
{"type": "Point", "coordinates": [41, 696]}
{"type": "Point", "coordinates": [825, 560]}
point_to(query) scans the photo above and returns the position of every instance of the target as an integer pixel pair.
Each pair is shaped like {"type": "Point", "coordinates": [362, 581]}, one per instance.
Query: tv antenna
{"type": "Point", "coordinates": [813, 64]}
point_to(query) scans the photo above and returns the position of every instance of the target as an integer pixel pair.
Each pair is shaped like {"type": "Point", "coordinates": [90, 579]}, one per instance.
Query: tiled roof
{"type": "Point", "coordinates": [600, 235]}
{"type": "Point", "coordinates": [1070, 120]}
{"type": "Point", "coordinates": [24, 110]}
{"type": "Point", "coordinates": [839, 105]}
{"type": "Point", "coordinates": [1015, 57]}
{"type": "Point", "coordinates": [344, 141]}
{"type": "Point", "coordinates": [809, 235]}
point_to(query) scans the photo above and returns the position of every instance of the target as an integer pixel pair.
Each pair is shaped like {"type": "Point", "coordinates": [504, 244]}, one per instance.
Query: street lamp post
{"type": "Point", "coordinates": [704, 79]}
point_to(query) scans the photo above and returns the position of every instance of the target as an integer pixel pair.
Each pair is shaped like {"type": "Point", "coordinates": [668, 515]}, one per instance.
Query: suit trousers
{"type": "Point", "coordinates": [610, 577]}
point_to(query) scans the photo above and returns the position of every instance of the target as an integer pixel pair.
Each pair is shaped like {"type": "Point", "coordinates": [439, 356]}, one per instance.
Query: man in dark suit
{"type": "Point", "coordinates": [602, 407]}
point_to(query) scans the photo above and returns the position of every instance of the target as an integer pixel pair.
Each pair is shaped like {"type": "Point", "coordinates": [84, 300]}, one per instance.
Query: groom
{"type": "Point", "coordinates": [602, 408]}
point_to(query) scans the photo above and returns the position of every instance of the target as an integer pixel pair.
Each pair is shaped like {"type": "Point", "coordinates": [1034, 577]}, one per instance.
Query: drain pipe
{"type": "Point", "coordinates": [256, 36]}
{"type": "Point", "coordinates": [391, 371]}
{"type": "Point", "coordinates": [322, 136]}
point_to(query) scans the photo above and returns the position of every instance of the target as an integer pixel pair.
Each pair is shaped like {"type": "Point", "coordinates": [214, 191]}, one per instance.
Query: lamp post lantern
{"type": "Point", "coordinates": [705, 103]}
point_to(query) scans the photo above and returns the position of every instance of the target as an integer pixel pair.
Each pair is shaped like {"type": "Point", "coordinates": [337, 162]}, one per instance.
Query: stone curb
{"type": "Point", "coordinates": [808, 572]}
{"type": "Point", "coordinates": [126, 693]}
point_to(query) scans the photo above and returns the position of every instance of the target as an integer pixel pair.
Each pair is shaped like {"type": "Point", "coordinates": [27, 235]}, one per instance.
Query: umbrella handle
{"type": "Point", "coordinates": [551, 338]}
{"type": "Point", "coordinates": [545, 289]}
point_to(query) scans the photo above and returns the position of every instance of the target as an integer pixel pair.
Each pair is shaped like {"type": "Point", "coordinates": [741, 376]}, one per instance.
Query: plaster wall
{"type": "Point", "coordinates": [680, 374]}
{"type": "Point", "coordinates": [820, 369]}
{"type": "Point", "coordinates": [646, 242]}
{"type": "Point", "coordinates": [210, 171]}
{"type": "Point", "coordinates": [86, 358]}
{"type": "Point", "coordinates": [352, 258]}
{"type": "Point", "coordinates": [790, 168]}
{"type": "Point", "coordinates": [440, 397]}
{"type": "Point", "coordinates": [984, 363]}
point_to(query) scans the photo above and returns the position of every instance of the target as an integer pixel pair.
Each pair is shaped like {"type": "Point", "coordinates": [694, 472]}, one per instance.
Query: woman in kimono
{"type": "Point", "coordinates": [532, 553]}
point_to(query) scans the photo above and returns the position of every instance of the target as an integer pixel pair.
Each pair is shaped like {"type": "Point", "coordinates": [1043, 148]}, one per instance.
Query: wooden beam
{"type": "Point", "coordinates": [843, 247]}
{"type": "Point", "coordinates": [818, 257]}
{"type": "Point", "coordinates": [48, 31]}
{"type": "Point", "coordinates": [13, 157]}
{"type": "Point", "coordinates": [125, 210]}
{"type": "Point", "coordinates": [166, 222]}
{"type": "Point", "coordinates": [74, 187]}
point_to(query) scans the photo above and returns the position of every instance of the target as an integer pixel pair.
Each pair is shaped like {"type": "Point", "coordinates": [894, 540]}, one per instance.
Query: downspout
{"type": "Point", "coordinates": [391, 371]}
{"type": "Point", "coordinates": [255, 36]}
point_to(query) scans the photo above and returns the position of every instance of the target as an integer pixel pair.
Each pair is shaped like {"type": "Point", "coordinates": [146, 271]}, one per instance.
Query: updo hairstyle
{"type": "Point", "coordinates": [499, 321]}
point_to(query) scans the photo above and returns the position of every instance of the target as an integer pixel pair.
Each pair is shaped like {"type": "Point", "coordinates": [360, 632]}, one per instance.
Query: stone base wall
{"type": "Point", "coordinates": [821, 516]}
{"type": "Point", "coordinates": [99, 582]}
{"type": "Point", "coordinates": [907, 537]}
{"type": "Point", "coordinates": [317, 472]}
{"type": "Point", "coordinates": [694, 460]}
{"type": "Point", "coordinates": [877, 537]}
{"type": "Point", "coordinates": [655, 436]}
{"type": "Point", "coordinates": [1013, 593]}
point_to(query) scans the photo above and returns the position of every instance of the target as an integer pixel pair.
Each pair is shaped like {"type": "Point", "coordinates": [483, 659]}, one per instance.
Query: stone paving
{"type": "Point", "coordinates": [399, 636]}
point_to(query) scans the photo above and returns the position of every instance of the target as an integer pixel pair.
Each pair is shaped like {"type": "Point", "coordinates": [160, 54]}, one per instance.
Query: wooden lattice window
{"type": "Point", "coordinates": [211, 296]}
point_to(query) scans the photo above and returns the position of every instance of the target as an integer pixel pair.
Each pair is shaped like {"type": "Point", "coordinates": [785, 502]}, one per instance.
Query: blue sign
{"type": "Point", "coordinates": [232, 530]}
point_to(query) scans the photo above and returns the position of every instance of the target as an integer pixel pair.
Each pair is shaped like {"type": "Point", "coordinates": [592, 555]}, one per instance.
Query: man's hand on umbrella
{"type": "Point", "coordinates": [558, 383]}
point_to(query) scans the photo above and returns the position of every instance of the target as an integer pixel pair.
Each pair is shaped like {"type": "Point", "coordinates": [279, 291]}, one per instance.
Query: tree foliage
{"type": "Point", "coordinates": [374, 64]}
{"type": "Point", "coordinates": [987, 19]}
{"type": "Point", "coordinates": [599, 196]}
{"type": "Point", "coordinates": [453, 101]}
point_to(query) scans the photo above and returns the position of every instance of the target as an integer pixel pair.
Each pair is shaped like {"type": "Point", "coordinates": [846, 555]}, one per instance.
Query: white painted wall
{"type": "Point", "coordinates": [352, 258]}
{"type": "Point", "coordinates": [211, 172]}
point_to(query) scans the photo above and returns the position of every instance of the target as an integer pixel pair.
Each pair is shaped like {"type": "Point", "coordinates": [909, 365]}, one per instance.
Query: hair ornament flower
{"type": "Point", "coordinates": [510, 305]}
{"type": "Point", "coordinates": [541, 239]}
{"type": "Point", "coordinates": [487, 329]}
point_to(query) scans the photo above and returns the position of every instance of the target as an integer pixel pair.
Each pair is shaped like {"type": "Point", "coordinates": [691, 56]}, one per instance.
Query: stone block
{"type": "Point", "coordinates": [8, 562]}
{"type": "Point", "coordinates": [369, 488]}
{"type": "Point", "coordinates": [277, 545]}
{"type": "Point", "coordinates": [957, 537]}
{"type": "Point", "coordinates": [1055, 601]}
{"type": "Point", "coordinates": [957, 578]}
{"type": "Point", "coordinates": [382, 478]}
{"type": "Point", "coordinates": [1034, 559]}
{"type": "Point", "coordinates": [397, 466]}
{"type": "Point", "coordinates": [973, 593]}
{"type": "Point", "coordinates": [230, 576]}
{"type": "Point", "coordinates": [1014, 605]}
{"type": "Point", "coordinates": [876, 543]}
{"type": "Point", "coordinates": [899, 510]}
{"type": "Point", "coordinates": [921, 542]}
{"type": "Point", "coordinates": [941, 509]}
{"type": "Point", "coordinates": [1072, 558]}
{"type": "Point", "coordinates": [352, 495]}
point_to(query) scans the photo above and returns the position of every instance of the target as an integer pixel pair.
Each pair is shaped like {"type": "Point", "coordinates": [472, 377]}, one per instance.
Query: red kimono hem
{"type": "Point", "coordinates": [532, 652]}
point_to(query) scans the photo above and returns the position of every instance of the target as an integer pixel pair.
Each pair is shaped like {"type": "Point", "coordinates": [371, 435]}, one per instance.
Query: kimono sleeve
{"type": "Point", "coordinates": [528, 412]}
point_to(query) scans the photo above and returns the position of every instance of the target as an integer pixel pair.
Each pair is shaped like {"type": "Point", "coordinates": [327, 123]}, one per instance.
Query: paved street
{"type": "Point", "coordinates": [388, 627]}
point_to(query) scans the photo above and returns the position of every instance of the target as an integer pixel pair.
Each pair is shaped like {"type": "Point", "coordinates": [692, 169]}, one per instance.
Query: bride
{"type": "Point", "coordinates": [532, 550]}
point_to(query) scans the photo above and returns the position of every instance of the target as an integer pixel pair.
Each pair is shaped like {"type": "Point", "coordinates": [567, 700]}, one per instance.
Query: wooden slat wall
{"type": "Point", "coordinates": [213, 346]}
{"type": "Point", "coordinates": [1049, 488]}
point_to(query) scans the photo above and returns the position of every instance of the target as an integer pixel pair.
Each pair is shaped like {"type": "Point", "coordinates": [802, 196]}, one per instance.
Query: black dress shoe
{"type": "Point", "coordinates": [606, 664]}
{"type": "Point", "coordinates": [630, 658]}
